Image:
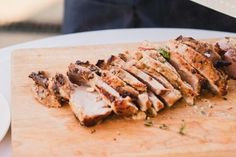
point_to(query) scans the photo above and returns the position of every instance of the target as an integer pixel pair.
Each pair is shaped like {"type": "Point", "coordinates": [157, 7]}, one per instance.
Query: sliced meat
{"type": "Point", "coordinates": [153, 84]}
{"type": "Point", "coordinates": [227, 48]}
{"type": "Point", "coordinates": [156, 103]}
{"type": "Point", "coordinates": [51, 91]}
{"type": "Point", "coordinates": [171, 96]}
{"type": "Point", "coordinates": [204, 48]}
{"type": "Point", "coordinates": [153, 60]}
{"type": "Point", "coordinates": [87, 107]}
{"type": "Point", "coordinates": [128, 78]}
{"type": "Point", "coordinates": [121, 106]}
{"type": "Point", "coordinates": [128, 83]}
{"type": "Point", "coordinates": [119, 85]}
{"type": "Point", "coordinates": [186, 71]}
{"type": "Point", "coordinates": [216, 79]}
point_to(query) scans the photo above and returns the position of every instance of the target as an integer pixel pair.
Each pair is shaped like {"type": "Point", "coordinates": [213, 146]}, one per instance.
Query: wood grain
{"type": "Point", "coordinates": [210, 126]}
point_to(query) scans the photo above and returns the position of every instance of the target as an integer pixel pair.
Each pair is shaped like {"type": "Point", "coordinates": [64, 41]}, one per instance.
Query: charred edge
{"type": "Point", "coordinates": [123, 56]}
{"type": "Point", "coordinates": [221, 63]}
{"type": "Point", "coordinates": [40, 78]}
{"type": "Point", "coordinates": [123, 93]}
{"type": "Point", "coordinates": [101, 64]}
{"type": "Point", "coordinates": [59, 81]}
{"type": "Point", "coordinates": [95, 69]}
{"type": "Point", "coordinates": [111, 60]}
{"type": "Point", "coordinates": [85, 64]}
{"type": "Point", "coordinates": [106, 94]}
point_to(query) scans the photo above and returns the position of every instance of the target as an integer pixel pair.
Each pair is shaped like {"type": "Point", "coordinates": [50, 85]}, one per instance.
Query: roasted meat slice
{"type": "Point", "coordinates": [142, 98]}
{"type": "Point", "coordinates": [157, 104]}
{"type": "Point", "coordinates": [171, 96]}
{"type": "Point", "coordinates": [154, 60]}
{"type": "Point", "coordinates": [216, 79]}
{"type": "Point", "coordinates": [227, 48]}
{"type": "Point", "coordinates": [128, 78]}
{"type": "Point", "coordinates": [90, 75]}
{"type": "Point", "coordinates": [204, 48]}
{"type": "Point", "coordinates": [131, 82]}
{"type": "Point", "coordinates": [51, 91]}
{"type": "Point", "coordinates": [186, 71]}
{"type": "Point", "coordinates": [119, 85]}
{"type": "Point", "coordinates": [153, 84]}
{"type": "Point", "coordinates": [87, 106]}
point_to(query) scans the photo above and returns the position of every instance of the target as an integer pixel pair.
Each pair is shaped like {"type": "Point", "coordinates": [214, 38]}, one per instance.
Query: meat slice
{"type": "Point", "coordinates": [144, 99]}
{"type": "Point", "coordinates": [121, 106]}
{"type": "Point", "coordinates": [87, 107]}
{"type": "Point", "coordinates": [186, 71]}
{"type": "Point", "coordinates": [153, 84]}
{"type": "Point", "coordinates": [204, 48]}
{"type": "Point", "coordinates": [216, 79]}
{"type": "Point", "coordinates": [156, 103]}
{"type": "Point", "coordinates": [227, 48]}
{"type": "Point", "coordinates": [157, 62]}
{"type": "Point", "coordinates": [130, 81]}
{"type": "Point", "coordinates": [171, 96]}
{"type": "Point", "coordinates": [51, 91]}
{"type": "Point", "coordinates": [128, 78]}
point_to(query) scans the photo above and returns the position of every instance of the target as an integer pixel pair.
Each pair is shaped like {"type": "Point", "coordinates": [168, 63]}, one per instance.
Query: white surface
{"type": "Point", "coordinates": [4, 117]}
{"type": "Point", "coordinates": [227, 7]}
{"type": "Point", "coordinates": [88, 38]}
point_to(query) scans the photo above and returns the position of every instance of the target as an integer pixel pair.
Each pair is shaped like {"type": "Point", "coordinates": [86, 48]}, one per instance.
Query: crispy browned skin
{"type": "Point", "coordinates": [205, 67]}
{"type": "Point", "coordinates": [91, 75]}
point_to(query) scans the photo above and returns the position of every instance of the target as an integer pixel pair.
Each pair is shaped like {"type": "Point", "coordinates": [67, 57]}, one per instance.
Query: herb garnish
{"type": "Point", "coordinates": [181, 129]}
{"type": "Point", "coordinates": [163, 127]}
{"type": "Point", "coordinates": [148, 123]}
{"type": "Point", "coordinates": [164, 53]}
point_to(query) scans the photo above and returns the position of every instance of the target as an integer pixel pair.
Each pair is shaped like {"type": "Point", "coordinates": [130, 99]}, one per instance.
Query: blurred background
{"type": "Point", "coordinates": [26, 20]}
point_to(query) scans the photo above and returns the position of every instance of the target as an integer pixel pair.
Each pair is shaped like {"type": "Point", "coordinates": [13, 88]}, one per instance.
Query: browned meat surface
{"type": "Point", "coordinates": [51, 91]}
{"type": "Point", "coordinates": [121, 106]}
{"type": "Point", "coordinates": [152, 60]}
{"type": "Point", "coordinates": [227, 48]}
{"type": "Point", "coordinates": [206, 49]}
{"type": "Point", "coordinates": [171, 96]}
{"type": "Point", "coordinates": [216, 79]}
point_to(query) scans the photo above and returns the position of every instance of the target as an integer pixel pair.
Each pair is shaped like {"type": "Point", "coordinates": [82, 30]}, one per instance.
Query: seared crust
{"type": "Point", "coordinates": [205, 67]}
{"type": "Point", "coordinates": [91, 75]}
{"type": "Point", "coordinates": [51, 91]}
{"type": "Point", "coordinates": [171, 75]}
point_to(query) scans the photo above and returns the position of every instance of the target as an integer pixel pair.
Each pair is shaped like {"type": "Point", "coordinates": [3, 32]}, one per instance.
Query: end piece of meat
{"type": "Point", "coordinates": [87, 107]}
{"type": "Point", "coordinates": [51, 91]}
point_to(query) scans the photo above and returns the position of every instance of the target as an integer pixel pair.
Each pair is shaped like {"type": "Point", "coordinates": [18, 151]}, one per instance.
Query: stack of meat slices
{"type": "Point", "coordinates": [140, 83]}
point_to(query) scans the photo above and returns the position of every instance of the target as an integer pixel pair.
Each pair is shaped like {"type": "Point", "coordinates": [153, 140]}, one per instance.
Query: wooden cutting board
{"type": "Point", "coordinates": [210, 126]}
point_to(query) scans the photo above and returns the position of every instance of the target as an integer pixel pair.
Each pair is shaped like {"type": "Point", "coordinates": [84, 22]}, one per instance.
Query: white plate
{"type": "Point", "coordinates": [4, 117]}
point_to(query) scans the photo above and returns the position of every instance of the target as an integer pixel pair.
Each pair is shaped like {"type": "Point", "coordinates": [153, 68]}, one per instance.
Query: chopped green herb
{"type": "Point", "coordinates": [181, 129]}
{"type": "Point", "coordinates": [163, 127]}
{"type": "Point", "coordinates": [164, 53]}
{"type": "Point", "coordinates": [148, 123]}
